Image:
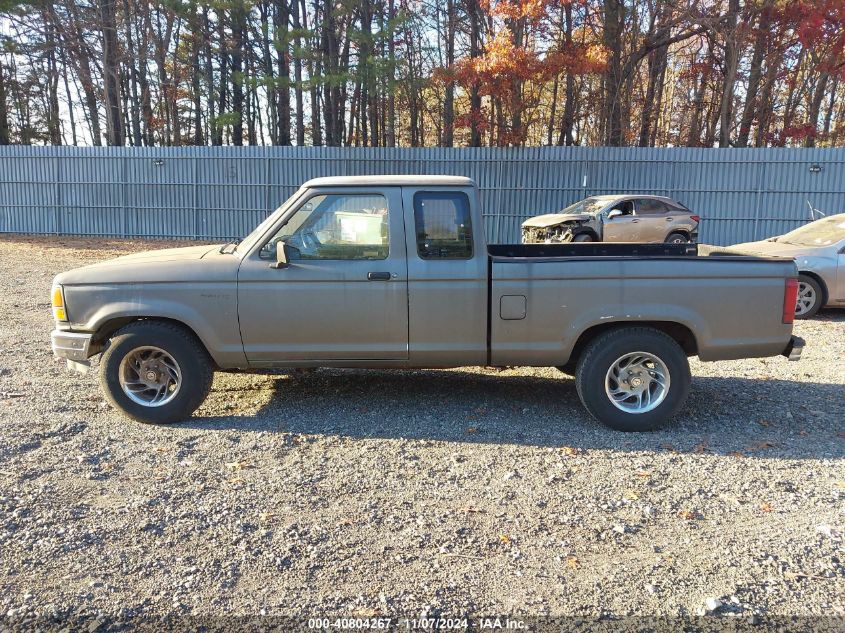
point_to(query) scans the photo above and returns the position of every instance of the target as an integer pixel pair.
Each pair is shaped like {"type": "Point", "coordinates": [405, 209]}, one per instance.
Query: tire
{"type": "Point", "coordinates": [810, 297]}
{"type": "Point", "coordinates": [165, 353]}
{"type": "Point", "coordinates": [677, 238]}
{"type": "Point", "coordinates": [595, 378]}
{"type": "Point", "coordinates": [583, 237]}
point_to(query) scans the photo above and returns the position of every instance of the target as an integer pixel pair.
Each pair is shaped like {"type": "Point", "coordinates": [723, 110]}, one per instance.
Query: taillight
{"type": "Point", "coordinates": [695, 218]}
{"type": "Point", "coordinates": [790, 299]}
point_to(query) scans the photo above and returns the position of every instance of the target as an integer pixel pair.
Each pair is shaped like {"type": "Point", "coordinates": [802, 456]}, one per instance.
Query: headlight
{"type": "Point", "coordinates": [59, 312]}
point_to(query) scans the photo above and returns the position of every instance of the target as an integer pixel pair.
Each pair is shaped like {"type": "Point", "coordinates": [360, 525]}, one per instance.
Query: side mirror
{"type": "Point", "coordinates": [615, 213]}
{"type": "Point", "coordinates": [284, 254]}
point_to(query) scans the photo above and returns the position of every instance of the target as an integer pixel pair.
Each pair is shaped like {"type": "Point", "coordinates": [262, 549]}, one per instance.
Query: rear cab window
{"type": "Point", "coordinates": [443, 225]}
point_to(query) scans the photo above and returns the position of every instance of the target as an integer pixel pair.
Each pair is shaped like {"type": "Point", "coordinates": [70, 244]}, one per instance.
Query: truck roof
{"type": "Point", "coordinates": [357, 181]}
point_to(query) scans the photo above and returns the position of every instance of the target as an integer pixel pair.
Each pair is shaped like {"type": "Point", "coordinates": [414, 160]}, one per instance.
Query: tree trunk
{"type": "Point", "coordinates": [755, 73]}
{"type": "Point", "coordinates": [391, 76]}
{"type": "Point", "coordinates": [614, 24]}
{"type": "Point", "coordinates": [238, 17]}
{"type": "Point", "coordinates": [135, 103]}
{"type": "Point", "coordinates": [297, 74]}
{"type": "Point", "coordinates": [731, 66]}
{"type": "Point", "coordinates": [280, 24]}
{"type": "Point", "coordinates": [815, 108]}
{"type": "Point", "coordinates": [654, 89]}
{"type": "Point", "coordinates": [5, 136]}
{"type": "Point", "coordinates": [114, 120]}
{"type": "Point", "coordinates": [474, 11]}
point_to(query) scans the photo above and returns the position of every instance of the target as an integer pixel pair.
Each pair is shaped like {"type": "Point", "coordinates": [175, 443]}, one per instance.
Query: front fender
{"type": "Point", "coordinates": [208, 309]}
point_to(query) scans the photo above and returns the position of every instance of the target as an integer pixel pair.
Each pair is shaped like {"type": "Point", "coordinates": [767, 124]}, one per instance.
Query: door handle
{"type": "Point", "coordinates": [634, 221]}
{"type": "Point", "coordinates": [378, 276]}
{"type": "Point", "coordinates": [669, 219]}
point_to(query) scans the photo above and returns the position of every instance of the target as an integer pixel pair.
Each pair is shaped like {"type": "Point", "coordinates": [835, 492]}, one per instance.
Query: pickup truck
{"type": "Point", "coordinates": [394, 272]}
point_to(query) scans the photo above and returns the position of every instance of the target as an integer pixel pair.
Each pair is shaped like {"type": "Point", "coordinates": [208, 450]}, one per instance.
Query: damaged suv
{"type": "Point", "coordinates": [615, 218]}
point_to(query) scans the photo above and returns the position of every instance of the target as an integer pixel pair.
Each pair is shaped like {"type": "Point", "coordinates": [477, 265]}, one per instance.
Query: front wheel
{"type": "Point", "coordinates": [809, 297]}
{"type": "Point", "coordinates": [633, 378]}
{"type": "Point", "coordinates": [155, 372]}
{"type": "Point", "coordinates": [583, 237]}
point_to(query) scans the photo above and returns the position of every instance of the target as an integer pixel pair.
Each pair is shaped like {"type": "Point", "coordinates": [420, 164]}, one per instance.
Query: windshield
{"type": "Point", "coordinates": [588, 205]}
{"type": "Point", "coordinates": [259, 230]}
{"type": "Point", "coordinates": [819, 233]}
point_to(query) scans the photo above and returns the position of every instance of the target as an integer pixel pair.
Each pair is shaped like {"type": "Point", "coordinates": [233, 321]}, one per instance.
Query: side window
{"type": "Point", "coordinates": [649, 206]}
{"type": "Point", "coordinates": [443, 225]}
{"type": "Point", "coordinates": [625, 206]}
{"type": "Point", "coordinates": [336, 226]}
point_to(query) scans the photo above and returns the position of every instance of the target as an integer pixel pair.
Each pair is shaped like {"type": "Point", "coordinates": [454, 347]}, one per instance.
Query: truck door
{"type": "Point", "coordinates": [447, 276]}
{"type": "Point", "coordinates": [344, 295]}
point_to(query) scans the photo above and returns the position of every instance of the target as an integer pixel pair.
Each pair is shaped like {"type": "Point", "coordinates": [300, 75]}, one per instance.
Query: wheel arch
{"type": "Point", "coordinates": [818, 279]}
{"type": "Point", "coordinates": [685, 232]}
{"type": "Point", "coordinates": [108, 328]}
{"type": "Point", "coordinates": [679, 332]}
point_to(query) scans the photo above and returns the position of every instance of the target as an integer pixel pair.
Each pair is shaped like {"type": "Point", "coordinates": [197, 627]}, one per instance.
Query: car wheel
{"type": "Point", "coordinates": [677, 238]}
{"type": "Point", "coordinates": [155, 372]}
{"type": "Point", "coordinates": [810, 297]}
{"type": "Point", "coordinates": [583, 237]}
{"type": "Point", "coordinates": [633, 378]}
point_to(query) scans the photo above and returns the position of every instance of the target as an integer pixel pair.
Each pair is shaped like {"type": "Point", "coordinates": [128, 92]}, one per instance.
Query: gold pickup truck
{"type": "Point", "coordinates": [394, 271]}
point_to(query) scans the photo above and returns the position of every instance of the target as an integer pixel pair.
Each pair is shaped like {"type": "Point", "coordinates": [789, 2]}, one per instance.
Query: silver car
{"type": "Point", "coordinates": [615, 218]}
{"type": "Point", "coordinates": [818, 249]}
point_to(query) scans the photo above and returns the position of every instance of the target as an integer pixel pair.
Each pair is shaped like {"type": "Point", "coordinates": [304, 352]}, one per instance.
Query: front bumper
{"type": "Point", "coordinates": [794, 348]}
{"type": "Point", "coordinates": [73, 346]}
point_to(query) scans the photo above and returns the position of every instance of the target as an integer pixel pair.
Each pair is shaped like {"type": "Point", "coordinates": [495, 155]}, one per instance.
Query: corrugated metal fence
{"type": "Point", "coordinates": [222, 192]}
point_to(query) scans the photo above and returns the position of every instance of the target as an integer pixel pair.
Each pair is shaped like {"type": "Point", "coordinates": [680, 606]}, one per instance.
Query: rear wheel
{"type": "Point", "coordinates": [633, 379]}
{"type": "Point", "coordinates": [155, 372]}
{"type": "Point", "coordinates": [809, 297]}
{"type": "Point", "coordinates": [677, 238]}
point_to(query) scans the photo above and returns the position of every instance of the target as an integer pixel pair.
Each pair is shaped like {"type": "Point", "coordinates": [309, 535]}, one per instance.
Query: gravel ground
{"type": "Point", "coordinates": [399, 493]}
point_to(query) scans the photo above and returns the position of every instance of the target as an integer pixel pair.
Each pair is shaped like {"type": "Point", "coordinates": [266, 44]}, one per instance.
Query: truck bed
{"type": "Point", "coordinates": [544, 296]}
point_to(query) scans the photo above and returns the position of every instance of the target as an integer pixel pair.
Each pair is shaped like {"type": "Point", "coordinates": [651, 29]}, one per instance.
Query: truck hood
{"type": "Point", "coordinates": [188, 264]}
{"type": "Point", "coordinates": [552, 219]}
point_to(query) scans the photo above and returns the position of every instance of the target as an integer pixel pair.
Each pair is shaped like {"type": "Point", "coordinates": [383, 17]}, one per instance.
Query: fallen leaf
{"type": "Point", "coordinates": [236, 480]}
{"type": "Point", "coordinates": [572, 562]}
{"type": "Point", "coordinates": [702, 447]}
{"type": "Point", "coordinates": [764, 423]}
{"type": "Point", "coordinates": [345, 523]}
{"type": "Point", "coordinates": [736, 454]}
{"type": "Point", "coordinates": [766, 507]}
{"type": "Point", "coordinates": [689, 515]}
{"type": "Point", "coordinates": [365, 612]}
{"type": "Point", "coordinates": [630, 495]}
{"type": "Point", "coordinates": [472, 510]}
{"type": "Point", "coordinates": [236, 465]}
{"type": "Point", "coordinates": [643, 474]}
{"type": "Point", "coordinates": [264, 517]}
{"type": "Point", "coordinates": [667, 446]}
{"type": "Point", "coordinates": [841, 434]}
{"type": "Point", "coordinates": [568, 450]}
{"type": "Point", "coordinates": [840, 485]}
{"type": "Point", "coordinates": [472, 429]}
{"type": "Point", "coordinates": [504, 538]}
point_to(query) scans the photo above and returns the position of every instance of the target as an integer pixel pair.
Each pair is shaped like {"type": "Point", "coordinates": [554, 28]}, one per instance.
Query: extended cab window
{"type": "Point", "coordinates": [336, 226]}
{"type": "Point", "coordinates": [443, 225]}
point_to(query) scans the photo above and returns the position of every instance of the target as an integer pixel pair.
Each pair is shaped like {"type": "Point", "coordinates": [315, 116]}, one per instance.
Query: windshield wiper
{"type": "Point", "coordinates": [227, 244]}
